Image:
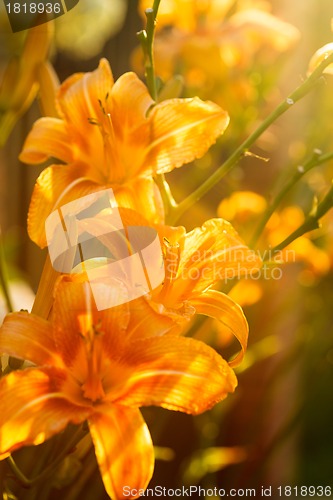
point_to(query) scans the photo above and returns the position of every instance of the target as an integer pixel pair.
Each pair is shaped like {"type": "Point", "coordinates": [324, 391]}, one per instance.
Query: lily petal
{"type": "Point", "coordinates": [215, 252]}
{"type": "Point", "coordinates": [49, 137]}
{"type": "Point", "coordinates": [181, 131]}
{"type": "Point", "coordinates": [27, 336]}
{"type": "Point", "coordinates": [142, 195]}
{"type": "Point", "coordinates": [161, 320]}
{"type": "Point", "coordinates": [81, 102]}
{"type": "Point", "coordinates": [82, 96]}
{"type": "Point", "coordinates": [221, 307]}
{"type": "Point", "coordinates": [59, 184]}
{"type": "Point", "coordinates": [124, 450]}
{"type": "Point", "coordinates": [56, 185]}
{"type": "Point", "coordinates": [130, 103]}
{"type": "Point", "coordinates": [171, 372]}
{"type": "Point", "coordinates": [33, 408]}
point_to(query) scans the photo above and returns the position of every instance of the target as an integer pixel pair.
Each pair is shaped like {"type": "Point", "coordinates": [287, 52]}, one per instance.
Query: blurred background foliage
{"type": "Point", "coordinates": [277, 427]}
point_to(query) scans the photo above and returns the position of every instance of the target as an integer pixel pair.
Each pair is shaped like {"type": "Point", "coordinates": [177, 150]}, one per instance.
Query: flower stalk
{"type": "Point", "coordinates": [49, 470]}
{"type": "Point", "coordinates": [4, 278]}
{"type": "Point", "coordinates": [146, 38]}
{"type": "Point", "coordinates": [44, 296]}
{"type": "Point", "coordinates": [168, 200]}
{"type": "Point", "coordinates": [311, 221]}
{"type": "Point", "coordinates": [315, 160]}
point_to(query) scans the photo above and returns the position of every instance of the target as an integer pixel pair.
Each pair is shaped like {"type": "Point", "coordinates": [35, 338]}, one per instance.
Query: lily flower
{"type": "Point", "coordinates": [91, 367]}
{"type": "Point", "coordinates": [193, 263]}
{"type": "Point", "coordinates": [111, 135]}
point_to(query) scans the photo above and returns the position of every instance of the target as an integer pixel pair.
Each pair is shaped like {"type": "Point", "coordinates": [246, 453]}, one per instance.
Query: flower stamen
{"type": "Point", "coordinates": [171, 255]}
{"type": "Point", "coordinates": [92, 388]}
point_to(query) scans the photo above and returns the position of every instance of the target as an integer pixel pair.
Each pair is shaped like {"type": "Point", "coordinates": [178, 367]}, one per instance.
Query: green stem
{"type": "Point", "coordinates": [295, 96]}
{"type": "Point", "coordinates": [146, 38]}
{"type": "Point", "coordinates": [26, 482]}
{"type": "Point", "coordinates": [4, 278]}
{"type": "Point", "coordinates": [164, 188]}
{"type": "Point", "coordinates": [316, 159]}
{"type": "Point", "coordinates": [2, 479]}
{"type": "Point", "coordinates": [89, 466]}
{"type": "Point", "coordinates": [311, 222]}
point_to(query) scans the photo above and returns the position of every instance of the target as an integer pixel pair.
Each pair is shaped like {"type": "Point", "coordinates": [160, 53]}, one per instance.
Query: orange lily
{"type": "Point", "coordinates": [193, 263]}
{"type": "Point", "coordinates": [111, 135]}
{"type": "Point", "coordinates": [93, 366]}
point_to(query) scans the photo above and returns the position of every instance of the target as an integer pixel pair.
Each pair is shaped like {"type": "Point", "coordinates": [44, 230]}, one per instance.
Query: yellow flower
{"type": "Point", "coordinates": [111, 134]}
{"type": "Point", "coordinates": [96, 366]}
{"type": "Point", "coordinates": [241, 206]}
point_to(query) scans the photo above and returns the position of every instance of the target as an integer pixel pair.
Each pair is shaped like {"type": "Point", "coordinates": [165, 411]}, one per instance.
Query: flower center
{"type": "Point", "coordinates": [106, 129]}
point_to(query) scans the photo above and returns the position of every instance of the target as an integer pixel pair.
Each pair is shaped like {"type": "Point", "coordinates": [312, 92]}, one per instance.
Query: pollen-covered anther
{"type": "Point", "coordinates": [93, 121]}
